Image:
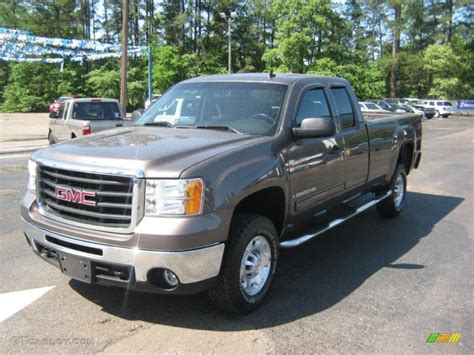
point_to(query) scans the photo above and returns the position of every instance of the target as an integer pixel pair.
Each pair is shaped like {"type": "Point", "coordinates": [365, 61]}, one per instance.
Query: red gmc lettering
{"type": "Point", "coordinates": [75, 196]}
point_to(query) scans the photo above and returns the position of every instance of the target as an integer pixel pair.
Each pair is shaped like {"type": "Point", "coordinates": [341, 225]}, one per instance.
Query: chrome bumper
{"type": "Point", "coordinates": [190, 266]}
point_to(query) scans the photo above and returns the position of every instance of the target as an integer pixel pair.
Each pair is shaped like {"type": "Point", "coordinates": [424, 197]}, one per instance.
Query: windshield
{"type": "Point", "coordinates": [249, 108]}
{"type": "Point", "coordinates": [372, 106]}
{"type": "Point", "coordinates": [96, 111]}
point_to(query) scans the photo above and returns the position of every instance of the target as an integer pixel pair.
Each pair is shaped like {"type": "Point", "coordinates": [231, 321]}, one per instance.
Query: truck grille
{"type": "Point", "coordinates": [108, 204]}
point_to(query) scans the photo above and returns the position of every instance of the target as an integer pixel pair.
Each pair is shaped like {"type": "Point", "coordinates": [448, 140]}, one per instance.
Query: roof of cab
{"type": "Point", "coordinates": [92, 99]}
{"type": "Point", "coordinates": [266, 78]}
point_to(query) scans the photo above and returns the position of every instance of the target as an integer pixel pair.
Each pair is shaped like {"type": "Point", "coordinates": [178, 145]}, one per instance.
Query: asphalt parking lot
{"type": "Point", "coordinates": [370, 286]}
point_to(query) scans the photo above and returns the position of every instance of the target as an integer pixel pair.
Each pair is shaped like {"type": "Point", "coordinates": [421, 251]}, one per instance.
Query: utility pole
{"type": "Point", "coordinates": [123, 64]}
{"type": "Point", "coordinates": [230, 20]}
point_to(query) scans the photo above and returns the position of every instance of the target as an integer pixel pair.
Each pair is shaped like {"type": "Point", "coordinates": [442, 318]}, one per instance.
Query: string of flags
{"type": "Point", "coordinates": [21, 46]}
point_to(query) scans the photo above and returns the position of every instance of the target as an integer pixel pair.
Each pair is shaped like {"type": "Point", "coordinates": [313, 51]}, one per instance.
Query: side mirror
{"type": "Point", "coordinates": [315, 127]}
{"type": "Point", "coordinates": [136, 114]}
{"type": "Point", "coordinates": [53, 115]}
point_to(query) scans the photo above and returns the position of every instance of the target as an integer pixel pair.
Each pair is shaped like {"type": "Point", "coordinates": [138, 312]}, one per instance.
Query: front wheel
{"type": "Point", "coordinates": [393, 205]}
{"type": "Point", "coordinates": [249, 264]}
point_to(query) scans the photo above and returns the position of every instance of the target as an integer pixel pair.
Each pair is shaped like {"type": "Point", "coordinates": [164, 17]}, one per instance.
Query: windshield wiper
{"type": "Point", "coordinates": [159, 124]}
{"type": "Point", "coordinates": [219, 127]}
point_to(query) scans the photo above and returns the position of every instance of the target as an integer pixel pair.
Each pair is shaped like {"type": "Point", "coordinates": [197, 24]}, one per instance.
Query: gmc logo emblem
{"type": "Point", "coordinates": [76, 196]}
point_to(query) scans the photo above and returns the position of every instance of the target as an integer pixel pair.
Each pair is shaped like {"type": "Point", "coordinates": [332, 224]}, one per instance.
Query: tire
{"type": "Point", "coordinates": [51, 139]}
{"type": "Point", "coordinates": [248, 232]}
{"type": "Point", "coordinates": [429, 117]}
{"type": "Point", "coordinates": [393, 205]}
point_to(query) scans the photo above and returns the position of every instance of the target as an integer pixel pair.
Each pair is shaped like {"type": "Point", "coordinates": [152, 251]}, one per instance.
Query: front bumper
{"type": "Point", "coordinates": [195, 269]}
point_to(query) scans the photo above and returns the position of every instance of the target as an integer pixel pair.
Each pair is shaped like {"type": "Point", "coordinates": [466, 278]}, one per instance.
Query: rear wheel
{"type": "Point", "coordinates": [248, 266]}
{"type": "Point", "coordinates": [51, 139]}
{"type": "Point", "coordinates": [393, 205]}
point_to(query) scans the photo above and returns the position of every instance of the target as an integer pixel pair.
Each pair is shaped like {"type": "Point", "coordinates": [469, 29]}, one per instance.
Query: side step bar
{"type": "Point", "coordinates": [304, 238]}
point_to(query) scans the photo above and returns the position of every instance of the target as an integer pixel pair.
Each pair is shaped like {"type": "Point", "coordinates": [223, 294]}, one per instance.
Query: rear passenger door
{"type": "Point", "coordinates": [354, 145]}
{"type": "Point", "coordinates": [314, 164]}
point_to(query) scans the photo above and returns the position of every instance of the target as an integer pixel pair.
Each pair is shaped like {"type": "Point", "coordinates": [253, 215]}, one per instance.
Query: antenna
{"type": "Point", "coordinates": [271, 75]}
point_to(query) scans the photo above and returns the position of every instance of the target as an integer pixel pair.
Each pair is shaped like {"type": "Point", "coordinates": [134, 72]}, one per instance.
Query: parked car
{"type": "Point", "coordinates": [371, 107]}
{"type": "Point", "coordinates": [429, 112]}
{"type": "Point", "coordinates": [383, 104]}
{"type": "Point", "coordinates": [411, 109]}
{"type": "Point", "coordinates": [56, 104]}
{"type": "Point", "coordinates": [206, 203]}
{"type": "Point", "coordinates": [442, 108]}
{"type": "Point", "coordinates": [80, 117]}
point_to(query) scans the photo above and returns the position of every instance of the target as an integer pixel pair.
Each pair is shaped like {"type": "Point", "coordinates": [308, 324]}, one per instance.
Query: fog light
{"type": "Point", "coordinates": [170, 278]}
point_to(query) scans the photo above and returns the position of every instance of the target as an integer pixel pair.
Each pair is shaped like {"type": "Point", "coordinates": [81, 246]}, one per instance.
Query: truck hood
{"type": "Point", "coordinates": [157, 151]}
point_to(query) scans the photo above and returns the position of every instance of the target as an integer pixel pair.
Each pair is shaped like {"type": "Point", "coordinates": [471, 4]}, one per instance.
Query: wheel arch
{"type": "Point", "coordinates": [269, 202]}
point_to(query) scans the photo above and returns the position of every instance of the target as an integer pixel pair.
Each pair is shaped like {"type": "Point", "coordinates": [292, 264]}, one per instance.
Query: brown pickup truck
{"type": "Point", "coordinates": [212, 180]}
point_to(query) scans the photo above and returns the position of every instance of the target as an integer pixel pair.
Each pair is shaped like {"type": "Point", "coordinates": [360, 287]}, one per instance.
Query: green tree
{"type": "Point", "coordinates": [444, 69]}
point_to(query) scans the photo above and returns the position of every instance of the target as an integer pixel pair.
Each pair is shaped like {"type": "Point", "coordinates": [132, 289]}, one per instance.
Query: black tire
{"type": "Point", "coordinates": [429, 117]}
{"type": "Point", "coordinates": [51, 138]}
{"type": "Point", "coordinates": [229, 294]}
{"type": "Point", "coordinates": [391, 206]}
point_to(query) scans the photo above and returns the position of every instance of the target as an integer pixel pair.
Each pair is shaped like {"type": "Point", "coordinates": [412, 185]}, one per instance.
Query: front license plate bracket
{"type": "Point", "coordinates": [76, 267]}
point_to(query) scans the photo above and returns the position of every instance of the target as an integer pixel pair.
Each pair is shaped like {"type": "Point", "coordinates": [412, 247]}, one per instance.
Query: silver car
{"type": "Point", "coordinates": [80, 117]}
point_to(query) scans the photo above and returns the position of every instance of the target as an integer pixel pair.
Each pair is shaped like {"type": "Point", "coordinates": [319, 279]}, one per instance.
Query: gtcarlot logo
{"type": "Point", "coordinates": [29, 340]}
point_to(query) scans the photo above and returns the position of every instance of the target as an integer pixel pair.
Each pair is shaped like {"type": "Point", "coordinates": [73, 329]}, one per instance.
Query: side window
{"type": "Point", "coordinates": [313, 104]}
{"type": "Point", "coordinates": [343, 107]}
{"type": "Point", "coordinates": [431, 103]}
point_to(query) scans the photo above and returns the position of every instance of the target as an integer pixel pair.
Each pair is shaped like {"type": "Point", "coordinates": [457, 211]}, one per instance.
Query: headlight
{"type": "Point", "coordinates": [31, 176]}
{"type": "Point", "coordinates": [174, 197]}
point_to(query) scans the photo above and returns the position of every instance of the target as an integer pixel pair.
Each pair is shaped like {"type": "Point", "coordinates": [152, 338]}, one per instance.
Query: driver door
{"type": "Point", "coordinates": [314, 165]}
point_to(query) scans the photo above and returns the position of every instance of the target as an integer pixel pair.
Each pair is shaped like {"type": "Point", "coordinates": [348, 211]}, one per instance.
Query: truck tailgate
{"type": "Point", "coordinates": [102, 125]}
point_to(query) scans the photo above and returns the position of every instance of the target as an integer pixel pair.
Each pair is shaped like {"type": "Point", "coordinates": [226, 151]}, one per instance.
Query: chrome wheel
{"type": "Point", "coordinates": [399, 191]}
{"type": "Point", "coordinates": [255, 266]}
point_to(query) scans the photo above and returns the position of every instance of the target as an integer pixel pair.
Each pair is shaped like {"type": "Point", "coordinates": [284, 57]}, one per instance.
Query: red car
{"type": "Point", "coordinates": [56, 104]}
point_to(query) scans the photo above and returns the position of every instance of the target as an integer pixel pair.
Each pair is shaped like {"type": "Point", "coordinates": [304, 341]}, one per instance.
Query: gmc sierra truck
{"type": "Point", "coordinates": [204, 198]}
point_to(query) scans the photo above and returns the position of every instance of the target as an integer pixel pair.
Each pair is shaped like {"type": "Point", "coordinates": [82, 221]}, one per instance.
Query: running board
{"type": "Point", "coordinates": [304, 238]}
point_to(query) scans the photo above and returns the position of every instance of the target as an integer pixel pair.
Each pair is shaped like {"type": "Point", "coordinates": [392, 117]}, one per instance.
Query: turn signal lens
{"type": "Point", "coordinates": [193, 202]}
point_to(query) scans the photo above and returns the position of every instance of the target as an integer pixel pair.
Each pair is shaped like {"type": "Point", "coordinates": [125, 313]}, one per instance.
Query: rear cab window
{"type": "Point", "coordinates": [314, 104]}
{"type": "Point", "coordinates": [343, 106]}
{"type": "Point", "coordinates": [91, 111]}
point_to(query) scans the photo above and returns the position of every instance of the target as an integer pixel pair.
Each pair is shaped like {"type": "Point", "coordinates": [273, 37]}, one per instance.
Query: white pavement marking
{"type": "Point", "coordinates": [12, 302]}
